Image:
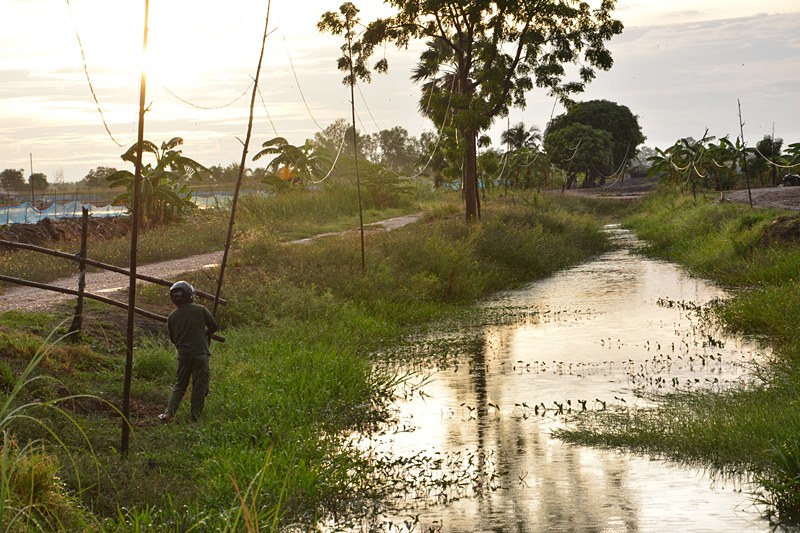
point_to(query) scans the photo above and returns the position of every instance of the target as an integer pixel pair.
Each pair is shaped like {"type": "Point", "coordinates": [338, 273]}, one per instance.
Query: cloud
{"type": "Point", "coordinates": [681, 78]}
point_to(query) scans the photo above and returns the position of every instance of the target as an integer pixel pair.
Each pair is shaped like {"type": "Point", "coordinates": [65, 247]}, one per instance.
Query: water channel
{"type": "Point", "coordinates": [477, 433]}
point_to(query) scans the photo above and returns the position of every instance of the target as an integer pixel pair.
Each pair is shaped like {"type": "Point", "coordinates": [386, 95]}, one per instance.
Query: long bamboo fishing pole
{"type": "Point", "coordinates": [135, 214]}
{"type": "Point", "coordinates": [245, 146]}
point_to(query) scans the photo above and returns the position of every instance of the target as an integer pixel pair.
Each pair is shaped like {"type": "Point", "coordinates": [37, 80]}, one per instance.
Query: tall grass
{"type": "Point", "coordinates": [299, 214]}
{"type": "Point", "coordinates": [754, 428]}
{"type": "Point", "coordinates": [33, 496]}
{"type": "Point", "coordinates": [288, 216]}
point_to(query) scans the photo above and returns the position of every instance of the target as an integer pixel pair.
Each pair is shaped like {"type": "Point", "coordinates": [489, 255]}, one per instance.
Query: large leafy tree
{"type": "Point", "coordinates": [165, 192]}
{"type": "Point", "coordinates": [12, 179]}
{"type": "Point", "coordinates": [578, 149]}
{"type": "Point", "coordinates": [336, 140]}
{"type": "Point", "coordinates": [767, 158]}
{"type": "Point", "coordinates": [622, 125]}
{"type": "Point", "coordinates": [491, 53]}
{"type": "Point", "coordinates": [394, 148]}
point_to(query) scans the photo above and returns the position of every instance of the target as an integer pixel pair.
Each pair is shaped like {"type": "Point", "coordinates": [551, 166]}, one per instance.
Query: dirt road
{"type": "Point", "coordinates": [102, 283]}
{"type": "Point", "coordinates": [778, 197]}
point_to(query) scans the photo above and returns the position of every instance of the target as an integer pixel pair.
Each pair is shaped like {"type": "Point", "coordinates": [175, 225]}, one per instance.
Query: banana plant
{"type": "Point", "coordinates": [722, 162]}
{"type": "Point", "coordinates": [165, 193]}
{"type": "Point", "coordinates": [685, 164]}
{"type": "Point", "coordinates": [292, 165]}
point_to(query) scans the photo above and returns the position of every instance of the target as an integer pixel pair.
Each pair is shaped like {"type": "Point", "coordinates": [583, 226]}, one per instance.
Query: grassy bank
{"type": "Point", "coordinates": [756, 429]}
{"type": "Point", "coordinates": [292, 381]}
{"type": "Point", "coordinates": [291, 215]}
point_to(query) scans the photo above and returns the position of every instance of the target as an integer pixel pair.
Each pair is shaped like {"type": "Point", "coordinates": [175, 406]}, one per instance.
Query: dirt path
{"type": "Point", "coordinates": [777, 197]}
{"type": "Point", "coordinates": [102, 283]}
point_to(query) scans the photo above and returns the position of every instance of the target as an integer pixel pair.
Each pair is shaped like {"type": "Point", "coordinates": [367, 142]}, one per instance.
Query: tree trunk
{"type": "Point", "coordinates": [471, 175]}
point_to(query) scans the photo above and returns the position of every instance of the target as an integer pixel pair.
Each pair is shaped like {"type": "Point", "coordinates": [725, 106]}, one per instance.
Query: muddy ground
{"type": "Point", "coordinates": [65, 229]}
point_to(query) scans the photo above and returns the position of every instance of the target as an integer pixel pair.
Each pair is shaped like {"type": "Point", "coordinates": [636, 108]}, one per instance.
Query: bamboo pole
{"type": "Point", "coordinates": [355, 142]}
{"type": "Point", "coordinates": [135, 214]}
{"type": "Point", "coordinates": [245, 146]}
{"type": "Point", "coordinates": [101, 265]}
{"type": "Point", "coordinates": [64, 290]}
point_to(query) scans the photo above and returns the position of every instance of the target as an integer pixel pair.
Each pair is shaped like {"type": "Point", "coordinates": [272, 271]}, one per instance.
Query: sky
{"type": "Point", "coordinates": [681, 66]}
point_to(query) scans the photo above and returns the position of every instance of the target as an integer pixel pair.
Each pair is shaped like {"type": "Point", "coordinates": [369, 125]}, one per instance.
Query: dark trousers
{"type": "Point", "coordinates": [196, 368]}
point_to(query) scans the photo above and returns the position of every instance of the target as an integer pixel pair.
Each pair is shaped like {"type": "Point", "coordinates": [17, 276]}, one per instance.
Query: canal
{"type": "Point", "coordinates": [472, 444]}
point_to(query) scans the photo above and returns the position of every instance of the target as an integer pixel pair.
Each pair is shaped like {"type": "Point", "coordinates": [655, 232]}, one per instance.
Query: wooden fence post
{"type": "Point", "coordinates": [77, 318]}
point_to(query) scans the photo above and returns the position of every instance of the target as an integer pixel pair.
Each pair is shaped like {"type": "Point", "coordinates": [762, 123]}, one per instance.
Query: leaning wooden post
{"type": "Point", "coordinates": [77, 318]}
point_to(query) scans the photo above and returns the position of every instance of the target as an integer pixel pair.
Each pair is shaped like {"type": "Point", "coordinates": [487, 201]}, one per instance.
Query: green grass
{"type": "Point", "coordinates": [755, 253]}
{"type": "Point", "coordinates": [295, 376]}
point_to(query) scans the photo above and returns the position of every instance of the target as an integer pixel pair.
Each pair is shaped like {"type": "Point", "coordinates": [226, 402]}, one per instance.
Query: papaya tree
{"type": "Point", "coordinates": [494, 53]}
{"type": "Point", "coordinates": [165, 193]}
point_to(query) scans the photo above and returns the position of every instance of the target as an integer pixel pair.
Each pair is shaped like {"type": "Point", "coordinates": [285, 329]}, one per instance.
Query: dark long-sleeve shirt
{"type": "Point", "coordinates": [189, 327]}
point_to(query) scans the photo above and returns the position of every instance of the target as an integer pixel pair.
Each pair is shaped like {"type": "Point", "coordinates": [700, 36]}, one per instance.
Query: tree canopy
{"type": "Point", "coordinates": [578, 148]}
{"type": "Point", "coordinates": [97, 176]}
{"type": "Point", "coordinates": [615, 119]}
{"type": "Point", "coordinates": [12, 179]}
{"type": "Point", "coordinates": [38, 181]}
{"type": "Point", "coordinates": [768, 154]}
{"type": "Point", "coordinates": [394, 148]}
{"type": "Point", "coordinates": [484, 56]}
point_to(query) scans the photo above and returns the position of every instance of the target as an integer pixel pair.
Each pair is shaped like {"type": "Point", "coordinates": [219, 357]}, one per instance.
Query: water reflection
{"type": "Point", "coordinates": [601, 335]}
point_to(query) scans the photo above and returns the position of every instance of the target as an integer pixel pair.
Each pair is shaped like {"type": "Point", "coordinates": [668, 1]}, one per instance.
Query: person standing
{"type": "Point", "coordinates": [190, 328]}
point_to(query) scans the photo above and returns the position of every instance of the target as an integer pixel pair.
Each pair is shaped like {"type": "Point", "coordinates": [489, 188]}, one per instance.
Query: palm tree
{"type": "Point", "coordinates": [518, 136]}
{"type": "Point", "coordinates": [439, 100]}
{"type": "Point", "coordinates": [523, 149]}
{"type": "Point", "coordinates": [292, 164]}
{"type": "Point", "coordinates": [165, 192]}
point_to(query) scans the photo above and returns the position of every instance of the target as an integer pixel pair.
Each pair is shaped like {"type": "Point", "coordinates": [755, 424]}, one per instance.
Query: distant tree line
{"type": "Point", "coordinates": [13, 180]}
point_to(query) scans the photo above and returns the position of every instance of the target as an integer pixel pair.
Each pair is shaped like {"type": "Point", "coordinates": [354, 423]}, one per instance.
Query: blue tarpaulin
{"type": "Point", "coordinates": [25, 213]}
